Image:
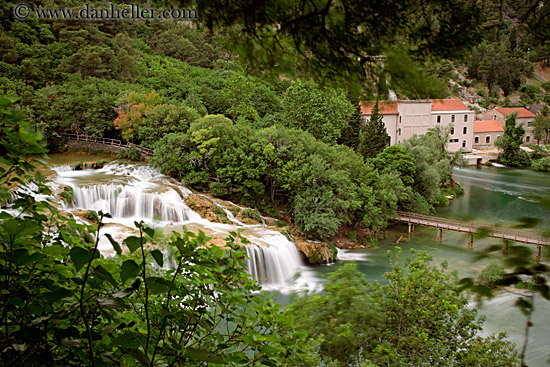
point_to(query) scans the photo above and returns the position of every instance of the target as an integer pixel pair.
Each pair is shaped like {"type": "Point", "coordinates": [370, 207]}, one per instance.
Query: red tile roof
{"type": "Point", "coordinates": [522, 112]}
{"type": "Point", "coordinates": [487, 126]}
{"type": "Point", "coordinates": [384, 107]}
{"type": "Point", "coordinates": [448, 105]}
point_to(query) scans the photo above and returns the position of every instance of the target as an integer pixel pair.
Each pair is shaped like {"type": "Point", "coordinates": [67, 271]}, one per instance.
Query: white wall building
{"type": "Point", "coordinates": [524, 118]}
{"type": "Point", "coordinates": [405, 118]}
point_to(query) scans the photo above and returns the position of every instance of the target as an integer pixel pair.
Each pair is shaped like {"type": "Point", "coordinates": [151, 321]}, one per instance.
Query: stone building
{"type": "Point", "coordinates": [524, 117]}
{"type": "Point", "coordinates": [486, 133]}
{"type": "Point", "coordinates": [405, 118]}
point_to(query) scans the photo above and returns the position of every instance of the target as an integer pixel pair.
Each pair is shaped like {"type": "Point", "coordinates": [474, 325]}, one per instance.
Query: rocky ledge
{"type": "Point", "coordinates": [315, 252]}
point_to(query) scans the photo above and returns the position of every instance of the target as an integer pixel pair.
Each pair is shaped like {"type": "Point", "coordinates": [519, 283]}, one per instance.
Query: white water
{"type": "Point", "coordinates": [133, 193]}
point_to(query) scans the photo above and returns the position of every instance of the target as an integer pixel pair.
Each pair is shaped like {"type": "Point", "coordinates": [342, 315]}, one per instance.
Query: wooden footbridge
{"type": "Point", "coordinates": [471, 228]}
{"type": "Point", "coordinates": [114, 145]}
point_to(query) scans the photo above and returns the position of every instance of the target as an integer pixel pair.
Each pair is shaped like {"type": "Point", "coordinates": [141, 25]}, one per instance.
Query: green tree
{"type": "Point", "coordinates": [373, 137]}
{"type": "Point", "coordinates": [542, 164]}
{"type": "Point", "coordinates": [418, 318]}
{"type": "Point", "coordinates": [530, 93]}
{"type": "Point", "coordinates": [163, 119]}
{"type": "Point", "coordinates": [323, 113]}
{"type": "Point", "coordinates": [63, 303]}
{"type": "Point", "coordinates": [84, 106]}
{"type": "Point", "coordinates": [510, 143]}
{"type": "Point", "coordinates": [333, 41]}
{"type": "Point", "coordinates": [238, 90]}
{"type": "Point", "coordinates": [350, 133]}
{"type": "Point", "coordinates": [541, 126]}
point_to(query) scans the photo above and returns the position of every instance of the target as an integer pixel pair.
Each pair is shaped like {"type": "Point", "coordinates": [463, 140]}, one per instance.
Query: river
{"type": "Point", "coordinates": [493, 196]}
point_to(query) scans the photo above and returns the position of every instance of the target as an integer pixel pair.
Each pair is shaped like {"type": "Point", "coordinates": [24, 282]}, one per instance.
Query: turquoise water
{"type": "Point", "coordinates": [494, 196]}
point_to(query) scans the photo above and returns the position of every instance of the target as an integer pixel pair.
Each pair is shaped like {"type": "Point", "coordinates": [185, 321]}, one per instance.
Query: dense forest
{"type": "Point", "coordinates": [291, 149]}
{"type": "Point", "coordinates": [264, 115]}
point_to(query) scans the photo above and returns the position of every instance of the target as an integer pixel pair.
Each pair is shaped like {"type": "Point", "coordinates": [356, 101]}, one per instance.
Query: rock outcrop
{"type": "Point", "coordinates": [314, 252]}
{"type": "Point", "coordinates": [206, 208]}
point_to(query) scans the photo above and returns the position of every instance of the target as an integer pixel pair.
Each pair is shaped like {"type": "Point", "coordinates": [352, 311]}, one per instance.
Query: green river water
{"type": "Point", "coordinates": [494, 196]}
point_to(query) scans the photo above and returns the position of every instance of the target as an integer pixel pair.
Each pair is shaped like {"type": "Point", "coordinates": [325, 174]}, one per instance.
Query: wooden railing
{"type": "Point", "coordinates": [515, 235]}
{"type": "Point", "coordinates": [107, 141]}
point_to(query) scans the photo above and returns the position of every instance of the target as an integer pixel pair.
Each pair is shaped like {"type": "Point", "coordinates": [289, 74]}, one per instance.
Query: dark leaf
{"type": "Point", "coordinates": [139, 356]}
{"type": "Point", "coordinates": [57, 295]}
{"type": "Point", "coordinates": [524, 306]}
{"type": "Point", "coordinates": [128, 340]}
{"type": "Point", "coordinates": [158, 285]}
{"type": "Point", "coordinates": [71, 342]}
{"type": "Point", "coordinates": [157, 255]}
{"type": "Point", "coordinates": [129, 270]}
{"type": "Point", "coordinates": [128, 290]}
{"type": "Point", "coordinates": [133, 243]}
{"type": "Point", "coordinates": [114, 243]}
{"type": "Point", "coordinates": [104, 274]}
{"type": "Point", "coordinates": [204, 355]}
{"type": "Point", "coordinates": [80, 257]}
{"type": "Point", "coordinates": [149, 231]}
{"type": "Point", "coordinates": [527, 222]}
{"type": "Point", "coordinates": [112, 303]}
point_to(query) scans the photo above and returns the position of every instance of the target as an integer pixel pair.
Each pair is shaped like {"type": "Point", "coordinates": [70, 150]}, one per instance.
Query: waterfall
{"type": "Point", "coordinates": [124, 201]}
{"type": "Point", "coordinates": [63, 168]}
{"type": "Point", "coordinates": [272, 258]}
{"type": "Point", "coordinates": [133, 192]}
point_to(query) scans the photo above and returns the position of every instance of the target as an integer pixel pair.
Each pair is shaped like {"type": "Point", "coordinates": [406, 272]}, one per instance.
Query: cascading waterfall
{"type": "Point", "coordinates": [123, 201]}
{"type": "Point", "coordinates": [132, 193]}
{"type": "Point", "coordinates": [272, 258]}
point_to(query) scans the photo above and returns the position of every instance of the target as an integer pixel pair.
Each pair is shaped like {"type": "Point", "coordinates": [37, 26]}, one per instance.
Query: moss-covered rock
{"type": "Point", "coordinates": [315, 252]}
{"type": "Point", "coordinates": [206, 208]}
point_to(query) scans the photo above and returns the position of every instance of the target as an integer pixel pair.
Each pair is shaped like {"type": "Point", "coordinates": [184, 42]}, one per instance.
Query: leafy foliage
{"type": "Point", "coordinates": [323, 113]}
{"type": "Point", "coordinates": [339, 42]}
{"type": "Point", "coordinates": [64, 303]}
{"type": "Point", "coordinates": [419, 318]}
{"type": "Point", "coordinates": [541, 126]}
{"type": "Point", "coordinates": [510, 143]}
{"type": "Point", "coordinates": [373, 138]}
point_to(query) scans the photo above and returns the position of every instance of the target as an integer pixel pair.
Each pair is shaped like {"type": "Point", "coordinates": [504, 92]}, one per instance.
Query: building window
{"type": "Point", "coordinates": [528, 123]}
{"type": "Point", "coordinates": [463, 143]}
{"type": "Point", "coordinates": [438, 119]}
{"type": "Point", "coordinates": [476, 140]}
{"type": "Point", "coordinates": [487, 139]}
{"type": "Point", "coordinates": [399, 132]}
{"type": "Point", "coordinates": [399, 119]}
{"type": "Point", "coordinates": [527, 139]}
{"type": "Point", "coordinates": [453, 141]}
{"type": "Point", "coordinates": [464, 130]}
{"type": "Point", "coordinates": [465, 118]}
{"type": "Point", "coordinates": [494, 117]}
{"type": "Point", "coordinates": [453, 131]}
{"type": "Point", "coordinates": [452, 118]}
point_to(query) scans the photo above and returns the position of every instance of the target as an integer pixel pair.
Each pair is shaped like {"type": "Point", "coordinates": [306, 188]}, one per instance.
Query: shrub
{"type": "Point", "coordinates": [131, 154]}
{"type": "Point", "coordinates": [491, 274]}
{"type": "Point", "coordinates": [542, 164]}
{"type": "Point", "coordinates": [219, 189]}
{"type": "Point", "coordinates": [252, 214]}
